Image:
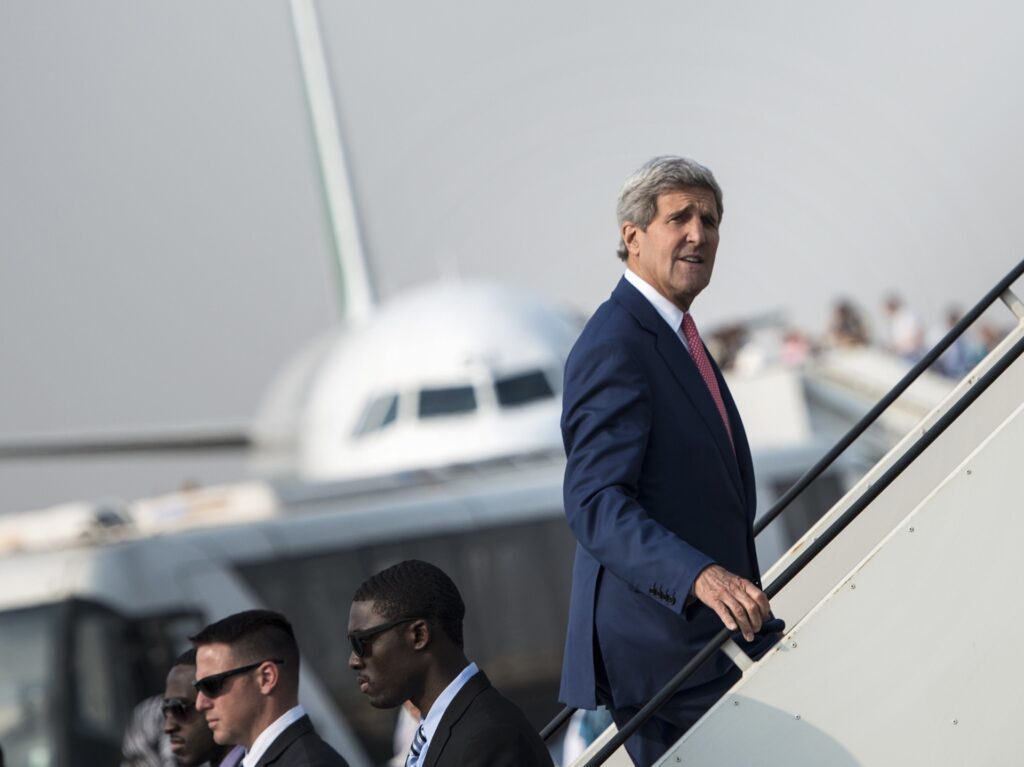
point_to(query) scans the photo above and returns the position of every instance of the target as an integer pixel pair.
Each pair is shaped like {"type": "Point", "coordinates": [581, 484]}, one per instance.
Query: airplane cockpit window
{"type": "Point", "coordinates": [378, 413]}
{"type": "Point", "coordinates": [452, 400]}
{"type": "Point", "coordinates": [523, 388]}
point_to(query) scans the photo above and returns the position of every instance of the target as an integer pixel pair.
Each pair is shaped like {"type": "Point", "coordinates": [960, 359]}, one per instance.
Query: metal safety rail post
{"type": "Point", "coordinates": [815, 548]}
{"type": "Point", "coordinates": [1000, 290]}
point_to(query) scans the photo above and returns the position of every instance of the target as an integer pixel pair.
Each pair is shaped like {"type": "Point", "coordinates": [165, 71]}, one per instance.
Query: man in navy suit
{"type": "Point", "coordinates": [659, 485]}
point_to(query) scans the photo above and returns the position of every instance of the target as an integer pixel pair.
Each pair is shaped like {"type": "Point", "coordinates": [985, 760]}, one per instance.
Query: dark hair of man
{"type": "Point", "coordinates": [416, 589]}
{"type": "Point", "coordinates": [187, 658]}
{"type": "Point", "coordinates": [255, 635]}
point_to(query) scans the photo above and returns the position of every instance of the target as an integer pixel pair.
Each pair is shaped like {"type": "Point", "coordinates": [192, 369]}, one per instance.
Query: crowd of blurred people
{"type": "Point", "coordinates": [897, 329]}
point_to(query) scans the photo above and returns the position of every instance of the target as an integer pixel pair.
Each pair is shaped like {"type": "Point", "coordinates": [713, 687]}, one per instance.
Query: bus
{"type": "Point", "coordinates": [92, 616]}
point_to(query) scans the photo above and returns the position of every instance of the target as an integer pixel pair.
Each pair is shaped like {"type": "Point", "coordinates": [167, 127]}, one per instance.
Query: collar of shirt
{"type": "Point", "coordinates": [433, 718]}
{"type": "Point", "coordinates": [268, 736]}
{"type": "Point", "coordinates": [668, 311]}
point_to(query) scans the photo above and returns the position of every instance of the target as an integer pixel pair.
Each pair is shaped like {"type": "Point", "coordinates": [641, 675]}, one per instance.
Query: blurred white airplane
{"type": "Point", "coordinates": [448, 373]}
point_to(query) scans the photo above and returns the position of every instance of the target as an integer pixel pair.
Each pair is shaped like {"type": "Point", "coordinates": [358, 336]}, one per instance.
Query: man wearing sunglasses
{"type": "Point", "coordinates": [405, 635]}
{"type": "Point", "coordinates": [191, 740]}
{"type": "Point", "coordinates": [247, 687]}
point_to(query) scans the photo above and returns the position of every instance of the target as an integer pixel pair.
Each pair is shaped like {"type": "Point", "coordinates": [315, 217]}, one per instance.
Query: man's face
{"type": "Point", "coordinates": [232, 714]}
{"type": "Point", "coordinates": [677, 252]}
{"type": "Point", "coordinates": [191, 740]}
{"type": "Point", "coordinates": [390, 671]}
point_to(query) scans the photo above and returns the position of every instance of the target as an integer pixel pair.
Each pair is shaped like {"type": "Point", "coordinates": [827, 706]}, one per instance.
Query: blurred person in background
{"type": "Point", "coordinates": [796, 348]}
{"type": "Point", "coordinates": [145, 744]}
{"type": "Point", "coordinates": [963, 354]}
{"type": "Point", "coordinates": [846, 327]}
{"type": "Point", "coordinates": [905, 334]}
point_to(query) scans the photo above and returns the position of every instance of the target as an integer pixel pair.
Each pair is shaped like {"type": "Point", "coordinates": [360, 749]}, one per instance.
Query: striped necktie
{"type": "Point", "coordinates": [700, 357]}
{"type": "Point", "coordinates": [417, 746]}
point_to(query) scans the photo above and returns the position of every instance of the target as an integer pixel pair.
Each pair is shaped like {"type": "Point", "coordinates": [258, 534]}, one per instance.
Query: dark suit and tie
{"type": "Point", "coordinates": [405, 631]}
{"type": "Point", "coordinates": [659, 484]}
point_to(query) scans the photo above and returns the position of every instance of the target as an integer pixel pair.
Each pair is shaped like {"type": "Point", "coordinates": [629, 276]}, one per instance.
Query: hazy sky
{"type": "Point", "coordinates": [163, 245]}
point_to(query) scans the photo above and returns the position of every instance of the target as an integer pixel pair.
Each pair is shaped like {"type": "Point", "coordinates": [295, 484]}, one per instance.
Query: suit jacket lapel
{"type": "Point", "coordinates": [684, 369]}
{"type": "Point", "coordinates": [460, 703]}
{"type": "Point", "coordinates": [285, 739]}
{"type": "Point", "coordinates": [739, 435]}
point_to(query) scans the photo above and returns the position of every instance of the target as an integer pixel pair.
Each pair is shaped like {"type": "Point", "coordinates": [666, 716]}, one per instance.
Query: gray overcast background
{"type": "Point", "coordinates": [163, 245]}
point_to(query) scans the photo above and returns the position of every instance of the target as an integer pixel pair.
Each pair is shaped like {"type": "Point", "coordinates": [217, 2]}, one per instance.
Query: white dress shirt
{"type": "Point", "coordinates": [669, 312]}
{"type": "Point", "coordinates": [433, 718]}
{"type": "Point", "coordinates": [266, 738]}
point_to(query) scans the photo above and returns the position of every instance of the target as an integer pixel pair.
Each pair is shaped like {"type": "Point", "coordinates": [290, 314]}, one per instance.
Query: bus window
{"type": "Point", "coordinates": [28, 686]}
{"type": "Point", "coordinates": [101, 663]}
{"type": "Point", "coordinates": [159, 639]}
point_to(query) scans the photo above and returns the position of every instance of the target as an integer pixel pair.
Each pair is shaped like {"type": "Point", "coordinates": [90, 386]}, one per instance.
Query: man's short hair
{"type": "Point", "coordinates": [638, 198]}
{"type": "Point", "coordinates": [416, 589]}
{"type": "Point", "coordinates": [255, 635]}
{"type": "Point", "coordinates": [187, 658]}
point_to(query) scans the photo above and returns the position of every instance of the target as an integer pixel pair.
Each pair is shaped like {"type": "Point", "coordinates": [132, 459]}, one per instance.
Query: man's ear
{"type": "Point", "coordinates": [268, 676]}
{"type": "Point", "coordinates": [421, 634]}
{"type": "Point", "coordinates": [630, 237]}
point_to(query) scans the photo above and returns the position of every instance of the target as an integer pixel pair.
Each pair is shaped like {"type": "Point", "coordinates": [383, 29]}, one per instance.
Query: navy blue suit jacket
{"type": "Point", "coordinates": [653, 493]}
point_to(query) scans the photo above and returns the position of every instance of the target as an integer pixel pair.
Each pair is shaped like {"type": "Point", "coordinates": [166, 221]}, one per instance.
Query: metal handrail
{"type": "Point", "coordinates": [840, 524]}
{"type": "Point", "coordinates": [856, 430]}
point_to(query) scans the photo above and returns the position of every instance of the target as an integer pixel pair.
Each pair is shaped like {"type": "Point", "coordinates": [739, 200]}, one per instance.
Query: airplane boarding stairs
{"type": "Point", "coordinates": [911, 657]}
{"type": "Point", "coordinates": [900, 644]}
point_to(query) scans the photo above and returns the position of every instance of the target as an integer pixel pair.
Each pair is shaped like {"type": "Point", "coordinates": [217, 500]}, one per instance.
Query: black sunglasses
{"type": "Point", "coordinates": [357, 639]}
{"type": "Point", "coordinates": [177, 708]}
{"type": "Point", "coordinates": [213, 685]}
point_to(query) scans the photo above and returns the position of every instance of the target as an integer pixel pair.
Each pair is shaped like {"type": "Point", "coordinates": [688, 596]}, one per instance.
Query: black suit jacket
{"type": "Point", "coordinates": [483, 728]}
{"type": "Point", "coordinates": [300, 746]}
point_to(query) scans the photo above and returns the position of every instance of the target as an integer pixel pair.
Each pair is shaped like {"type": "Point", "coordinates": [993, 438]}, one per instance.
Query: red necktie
{"type": "Point", "coordinates": [707, 373]}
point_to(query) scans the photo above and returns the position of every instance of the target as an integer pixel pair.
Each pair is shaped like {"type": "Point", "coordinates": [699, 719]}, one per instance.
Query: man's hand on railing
{"type": "Point", "coordinates": [738, 602]}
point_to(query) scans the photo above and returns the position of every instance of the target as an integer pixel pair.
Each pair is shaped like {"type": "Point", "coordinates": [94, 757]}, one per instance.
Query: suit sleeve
{"type": "Point", "coordinates": [606, 422]}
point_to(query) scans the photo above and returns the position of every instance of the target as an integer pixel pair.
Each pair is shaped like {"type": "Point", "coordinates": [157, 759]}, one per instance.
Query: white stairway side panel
{"type": "Point", "coordinates": [913, 658]}
{"type": "Point", "coordinates": [958, 441]}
